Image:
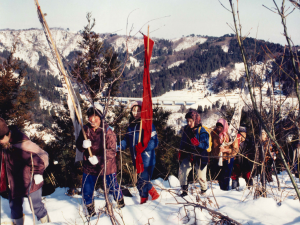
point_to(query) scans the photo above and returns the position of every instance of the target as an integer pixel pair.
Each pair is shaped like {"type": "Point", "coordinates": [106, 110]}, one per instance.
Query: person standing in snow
{"type": "Point", "coordinates": [144, 184]}
{"type": "Point", "coordinates": [22, 167]}
{"type": "Point", "coordinates": [195, 139]}
{"type": "Point", "coordinates": [242, 167]}
{"type": "Point", "coordinates": [265, 156]}
{"type": "Point", "coordinates": [94, 166]}
{"type": "Point", "coordinates": [222, 172]}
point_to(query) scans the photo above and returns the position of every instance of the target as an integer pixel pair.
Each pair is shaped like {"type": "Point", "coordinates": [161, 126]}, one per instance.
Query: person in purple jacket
{"type": "Point", "coordinates": [93, 167]}
{"type": "Point", "coordinates": [22, 167]}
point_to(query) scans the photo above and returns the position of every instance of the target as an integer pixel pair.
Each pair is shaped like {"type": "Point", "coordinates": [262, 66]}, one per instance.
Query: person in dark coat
{"type": "Point", "coordinates": [144, 184]}
{"type": "Point", "coordinates": [242, 167]}
{"type": "Point", "coordinates": [267, 145]}
{"type": "Point", "coordinates": [94, 166]}
{"type": "Point", "coordinates": [22, 167]}
{"type": "Point", "coordinates": [195, 140]}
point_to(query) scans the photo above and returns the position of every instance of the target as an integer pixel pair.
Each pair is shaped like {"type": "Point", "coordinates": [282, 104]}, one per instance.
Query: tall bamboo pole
{"type": "Point", "coordinates": [60, 66]}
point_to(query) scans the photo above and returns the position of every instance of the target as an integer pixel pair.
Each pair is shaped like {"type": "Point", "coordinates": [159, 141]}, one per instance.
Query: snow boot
{"type": "Point", "coordinates": [91, 209]}
{"type": "Point", "coordinates": [184, 189]}
{"type": "Point", "coordinates": [235, 184]}
{"type": "Point", "coordinates": [143, 200]}
{"type": "Point", "coordinates": [45, 219]}
{"type": "Point", "coordinates": [120, 203]}
{"type": "Point", "coordinates": [19, 221]}
{"type": "Point", "coordinates": [153, 193]}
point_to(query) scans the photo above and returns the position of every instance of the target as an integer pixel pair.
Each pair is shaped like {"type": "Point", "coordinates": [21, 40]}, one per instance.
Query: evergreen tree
{"type": "Point", "coordinates": [15, 98]}
{"type": "Point", "coordinates": [97, 65]}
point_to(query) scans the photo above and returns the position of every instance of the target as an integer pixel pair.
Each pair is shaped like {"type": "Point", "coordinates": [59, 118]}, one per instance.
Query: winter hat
{"type": "Point", "coordinates": [3, 127]}
{"type": "Point", "coordinates": [222, 135]}
{"type": "Point", "coordinates": [194, 115]}
{"type": "Point", "coordinates": [96, 109]}
{"type": "Point", "coordinates": [136, 103]}
{"type": "Point", "coordinates": [243, 129]}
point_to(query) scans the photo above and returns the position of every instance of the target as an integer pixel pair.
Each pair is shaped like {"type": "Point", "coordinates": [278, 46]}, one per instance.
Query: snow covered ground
{"type": "Point", "coordinates": [278, 208]}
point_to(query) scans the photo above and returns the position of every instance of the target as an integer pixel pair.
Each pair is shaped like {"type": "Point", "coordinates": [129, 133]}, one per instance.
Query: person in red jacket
{"type": "Point", "coordinates": [22, 167]}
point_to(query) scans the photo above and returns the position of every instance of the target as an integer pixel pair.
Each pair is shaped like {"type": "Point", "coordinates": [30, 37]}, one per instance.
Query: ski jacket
{"type": "Point", "coordinates": [17, 161]}
{"type": "Point", "coordinates": [97, 149]}
{"type": "Point", "coordinates": [201, 149]}
{"type": "Point", "coordinates": [216, 144]}
{"type": "Point", "coordinates": [131, 139]}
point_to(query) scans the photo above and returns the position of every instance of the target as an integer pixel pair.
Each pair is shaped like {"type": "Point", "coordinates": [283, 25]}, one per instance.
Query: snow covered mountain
{"type": "Point", "coordinates": [31, 44]}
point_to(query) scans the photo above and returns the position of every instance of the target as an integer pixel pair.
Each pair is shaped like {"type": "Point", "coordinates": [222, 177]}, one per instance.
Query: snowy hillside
{"type": "Point", "coordinates": [187, 42]}
{"type": "Point", "coordinates": [280, 207]}
{"type": "Point", "coordinates": [32, 44]}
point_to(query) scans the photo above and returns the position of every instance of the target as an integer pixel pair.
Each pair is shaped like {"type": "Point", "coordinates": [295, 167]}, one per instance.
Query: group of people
{"type": "Point", "coordinates": [200, 145]}
{"type": "Point", "coordinates": [23, 162]}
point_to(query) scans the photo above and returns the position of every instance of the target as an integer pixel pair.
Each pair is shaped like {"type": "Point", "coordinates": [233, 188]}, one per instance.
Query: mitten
{"type": "Point", "coordinates": [195, 141]}
{"type": "Point", "coordinates": [87, 143]}
{"type": "Point", "coordinates": [93, 160]}
{"type": "Point", "coordinates": [38, 178]}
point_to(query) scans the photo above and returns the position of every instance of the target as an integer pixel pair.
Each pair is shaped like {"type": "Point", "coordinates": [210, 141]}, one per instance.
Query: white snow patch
{"type": "Point", "coordinates": [187, 42]}
{"type": "Point", "coordinates": [225, 48]}
{"type": "Point", "coordinates": [175, 64]}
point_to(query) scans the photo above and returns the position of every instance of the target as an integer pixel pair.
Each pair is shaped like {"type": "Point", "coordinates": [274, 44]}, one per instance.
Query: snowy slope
{"type": "Point", "coordinates": [31, 42]}
{"type": "Point", "coordinates": [187, 42]}
{"type": "Point", "coordinates": [279, 208]}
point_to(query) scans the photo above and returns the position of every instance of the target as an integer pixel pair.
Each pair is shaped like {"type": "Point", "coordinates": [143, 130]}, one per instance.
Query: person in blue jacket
{"type": "Point", "coordinates": [194, 143]}
{"type": "Point", "coordinates": [144, 184]}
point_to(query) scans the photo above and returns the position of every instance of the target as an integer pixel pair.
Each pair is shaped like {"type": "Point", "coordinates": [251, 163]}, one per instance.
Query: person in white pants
{"type": "Point", "coordinates": [194, 145]}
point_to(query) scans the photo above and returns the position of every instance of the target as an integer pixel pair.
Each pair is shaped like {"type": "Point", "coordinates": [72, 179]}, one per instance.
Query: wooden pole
{"type": "Point", "coordinates": [141, 124]}
{"type": "Point", "coordinates": [148, 43]}
{"type": "Point", "coordinates": [62, 70]}
{"type": "Point", "coordinates": [140, 133]}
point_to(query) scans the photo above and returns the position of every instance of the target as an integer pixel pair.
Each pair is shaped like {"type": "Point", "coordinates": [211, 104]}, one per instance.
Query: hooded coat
{"type": "Point", "coordinates": [218, 139]}
{"type": "Point", "coordinates": [19, 160]}
{"type": "Point", "coordinates": [200, 134]}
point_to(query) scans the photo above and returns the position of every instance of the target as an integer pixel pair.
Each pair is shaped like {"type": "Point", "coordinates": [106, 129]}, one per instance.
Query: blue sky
{"type": "Point", "coordinates": [180, 17]}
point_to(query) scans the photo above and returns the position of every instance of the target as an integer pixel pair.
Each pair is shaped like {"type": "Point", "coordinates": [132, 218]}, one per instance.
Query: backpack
{"type": "Point", "coordinates": [209, 137]}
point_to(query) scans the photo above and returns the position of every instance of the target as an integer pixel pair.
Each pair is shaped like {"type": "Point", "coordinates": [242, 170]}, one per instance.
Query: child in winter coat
{"type": "Point", "coordinates": [21, 172]}
{"type": "Point", "coordinates": [242, 167]}
{"type": "Point", "coordinates": [144, 184]}
{"type": "Point", "coordinates": [94, 166]}
{"type": "Point", "coordinates": [222, 173]}
{"type": "Point", "coordinates": [195, 140]}
{"type": "Point", "coordinates": [267, 145]}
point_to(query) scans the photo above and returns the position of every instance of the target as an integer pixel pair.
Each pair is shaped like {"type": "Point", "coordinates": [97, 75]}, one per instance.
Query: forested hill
{"type": "Point", "coordinates": [174, 62]}
{"type": "Point", "coordinates": [202, 59]}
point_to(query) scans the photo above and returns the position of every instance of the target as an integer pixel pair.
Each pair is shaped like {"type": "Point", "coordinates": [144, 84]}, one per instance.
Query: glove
{"type": "Point", "coordinates": [87, 143]}
{"type": "Point", "coordinates": [38, 178]}
{"type": "Point", "coordinates": [93, 160]}
{"type": "Point", "coordinates": [195, 141]}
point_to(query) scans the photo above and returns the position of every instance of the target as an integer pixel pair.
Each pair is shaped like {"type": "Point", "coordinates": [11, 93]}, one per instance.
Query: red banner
{"type": "Point", "coordinates": [146, 112]}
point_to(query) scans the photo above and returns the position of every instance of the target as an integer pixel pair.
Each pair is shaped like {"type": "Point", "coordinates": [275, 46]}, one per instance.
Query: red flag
{"type": "Point", "coordinates": [146, 112]}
